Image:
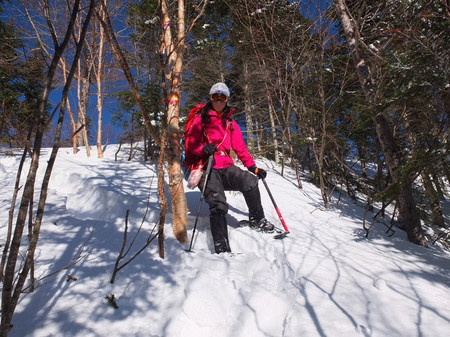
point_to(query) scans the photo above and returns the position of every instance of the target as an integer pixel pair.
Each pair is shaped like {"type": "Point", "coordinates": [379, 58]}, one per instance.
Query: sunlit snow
{"type": "Point", "coordinates": [324, 279]}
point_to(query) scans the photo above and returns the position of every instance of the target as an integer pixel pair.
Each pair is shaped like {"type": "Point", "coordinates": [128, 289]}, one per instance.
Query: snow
{"type": "Point", "coordinates": [324, 279]}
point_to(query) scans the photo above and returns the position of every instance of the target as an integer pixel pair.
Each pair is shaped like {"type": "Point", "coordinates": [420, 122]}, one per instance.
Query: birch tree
{"type": "Point", "coordinates": [99, 80]}
{"type": "Point", "coordinates": [172, 52]}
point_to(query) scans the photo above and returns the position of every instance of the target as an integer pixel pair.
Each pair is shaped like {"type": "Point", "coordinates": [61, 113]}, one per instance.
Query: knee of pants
{"type": "Point", "coordinates": [237, 179]}
{"type": "Point", "coordinates": [218, 209]}
{"type": "Point", "coordinates": [217, 204]}
{"type": "Point", "coordinates": [251, 182]}
{"type": "Point", "coordinates": [252, 187]}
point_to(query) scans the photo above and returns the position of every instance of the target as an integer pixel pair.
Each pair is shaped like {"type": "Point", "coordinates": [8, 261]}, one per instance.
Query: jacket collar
{"type": "Point", "coordinates": [215, 114]}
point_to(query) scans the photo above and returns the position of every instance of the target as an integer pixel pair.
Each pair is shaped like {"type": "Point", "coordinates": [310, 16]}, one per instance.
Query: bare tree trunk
{"type": "Point", "coordinates": [83, 102]}
{"type": "Point", "coordinates": [433, 200]}
{"type": "Point", "coordinates": [248, 109]}
{"type": "Point", "coordinates": [12, 284]}
{"type": "Point", "coordinates": [11, 211]}
{"type": "Point", "coordinates": [162, 200]}
{"type": "Point", "coordinates": [173, 67]}
{"type": "Point", "coordinates": [362, 155]}
{"type": "Point", "coordinates": [273, 133]}
{"type": "Point", "coordinates": [73, 123]}
{"type": "Point", "coordinates": [438, 184]}
{"type": "Point", "coordinates": [74, 128]}
{"type": "Point", "coordinates": [260, 133]}
{"type": "Point", "coordinates": [287, 138]}
{"type": "Point", "coordinates": [323, 136]}
{"type": "Point", "coordinates": [85, 66]}
{"type": "Point", "coordinates": [111, 38]}
{"type": "Point", "coordinates": [99, 78]}
{"type": "Point", "coordinates": [172, 57]}
{"type": "Point", "coordinates": [294, 162]}
{"type": "Point", "coordinates": [3, 117]}
{"type": "Point", "coordinates": [79, 115]}
{"type": "Point", "coordinates": [63, 66]}
{"type": "Point", "coordinates": [319, 153]}
{"type": "Point", "coordinates": [406, 203]}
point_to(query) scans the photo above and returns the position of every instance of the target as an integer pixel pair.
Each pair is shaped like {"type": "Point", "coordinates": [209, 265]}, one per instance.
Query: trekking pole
{"type": "Point", "coordinates": [286, 230]}
{"type": "Point", "coordinates": [208, 170]}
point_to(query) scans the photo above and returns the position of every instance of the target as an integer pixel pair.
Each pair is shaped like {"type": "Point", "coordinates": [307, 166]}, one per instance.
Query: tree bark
{"type": "Point", "coordinates": [172, 67]}
{"type": "Point", "coordinates": [248, 109]}
{"type": "Point", "coordinates": [99, 78]}
{"type": "Point", "coordinates": [273, 132]}
{"type": "Point", "coordinates": [433, 200]}
{"type": "Point", "coordinates": [11, 211]}
{"type": "Point", "coordinates": [83, 102]}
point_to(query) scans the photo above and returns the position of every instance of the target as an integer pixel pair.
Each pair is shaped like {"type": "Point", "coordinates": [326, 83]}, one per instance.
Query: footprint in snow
{"type": "Point", "coordinates": [380, 284]}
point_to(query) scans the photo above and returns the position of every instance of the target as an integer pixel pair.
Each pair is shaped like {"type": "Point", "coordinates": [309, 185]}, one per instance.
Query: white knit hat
{"type": "Point", "coordinates": [219, 88]}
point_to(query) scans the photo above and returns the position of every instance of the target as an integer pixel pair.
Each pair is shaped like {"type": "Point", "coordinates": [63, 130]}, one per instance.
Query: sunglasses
{"type": "Point", "coordinates": [218, 98]}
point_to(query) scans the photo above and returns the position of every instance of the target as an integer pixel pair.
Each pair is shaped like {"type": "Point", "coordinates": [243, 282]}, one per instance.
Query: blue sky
{"type": "Point", "coordinates": [311, 9]}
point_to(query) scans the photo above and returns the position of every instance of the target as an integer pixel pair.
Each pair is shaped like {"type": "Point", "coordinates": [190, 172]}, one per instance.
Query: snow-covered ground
{"type": "Point", "coordinates": [324, 279]}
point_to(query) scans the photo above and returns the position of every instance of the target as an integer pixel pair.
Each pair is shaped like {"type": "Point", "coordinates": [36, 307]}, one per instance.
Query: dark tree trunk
{"type": "Point", "coordinates": [406, 203]}
{"type": "Point", "coordinates": [13, 284]}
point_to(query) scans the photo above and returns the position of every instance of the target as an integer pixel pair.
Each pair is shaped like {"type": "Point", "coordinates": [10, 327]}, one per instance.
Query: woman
{"type": "Point", "coordinates": [214, 133]}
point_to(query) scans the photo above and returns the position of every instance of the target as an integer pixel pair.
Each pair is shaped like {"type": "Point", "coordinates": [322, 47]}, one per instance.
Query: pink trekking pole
{"type": "Point", "coordinates": [286, 230]}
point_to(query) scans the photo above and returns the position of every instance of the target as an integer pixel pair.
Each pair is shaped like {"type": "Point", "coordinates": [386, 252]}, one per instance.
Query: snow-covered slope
{"type": "Point", "coordinates": [324, 279]}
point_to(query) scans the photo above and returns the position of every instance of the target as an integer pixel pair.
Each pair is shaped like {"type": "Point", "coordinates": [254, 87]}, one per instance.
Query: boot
{"type": "Point", "coordinates": [262, 225]}
{"type": "Point", "coordinates": [265, 226]}
{"type": "Point", "coordinates": [219, 231]}
{"type": "Point", "coordinates": [221, 247]}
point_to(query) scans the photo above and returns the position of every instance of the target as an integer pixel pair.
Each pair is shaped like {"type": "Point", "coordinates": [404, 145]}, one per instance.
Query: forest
{"type": "Point", "coordinates": [351, 94]}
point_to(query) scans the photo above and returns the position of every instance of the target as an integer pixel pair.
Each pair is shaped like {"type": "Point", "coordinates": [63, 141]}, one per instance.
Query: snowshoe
{"type": "Point", "coordinates": [262, 225]}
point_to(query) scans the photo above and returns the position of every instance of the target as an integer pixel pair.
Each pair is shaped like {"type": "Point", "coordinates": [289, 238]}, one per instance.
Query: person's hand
{"type": "Point", "coordinates": [209, 149]}
{"type": "Point", "coordinates": [259, 172]}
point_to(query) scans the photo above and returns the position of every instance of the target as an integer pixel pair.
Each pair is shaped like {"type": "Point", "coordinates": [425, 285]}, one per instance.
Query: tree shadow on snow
{"type": "Point", "coordinates": [96, 243]}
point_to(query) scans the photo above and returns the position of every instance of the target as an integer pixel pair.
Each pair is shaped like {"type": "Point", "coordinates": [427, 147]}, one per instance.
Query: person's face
{"type": "Point", "coordinates": [219, 102]}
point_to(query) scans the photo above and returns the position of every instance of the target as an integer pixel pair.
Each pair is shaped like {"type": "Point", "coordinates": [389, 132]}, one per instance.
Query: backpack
{"type": "Point", "coordinates": [190, 162]}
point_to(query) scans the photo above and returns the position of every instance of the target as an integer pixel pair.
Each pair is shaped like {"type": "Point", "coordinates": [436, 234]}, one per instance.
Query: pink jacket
{"type": "Point", "coordinates": [215, 133]}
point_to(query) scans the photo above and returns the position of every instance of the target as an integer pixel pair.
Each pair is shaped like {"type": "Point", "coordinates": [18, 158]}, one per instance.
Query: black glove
{"type": "Point", "coordinates": [209, 149]}
{"type": "Point", "coordinates": [259, 172]}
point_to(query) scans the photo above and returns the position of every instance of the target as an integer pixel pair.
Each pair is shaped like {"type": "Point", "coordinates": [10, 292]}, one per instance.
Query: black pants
{"type": "Point", "coordinates": [231, 178]}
